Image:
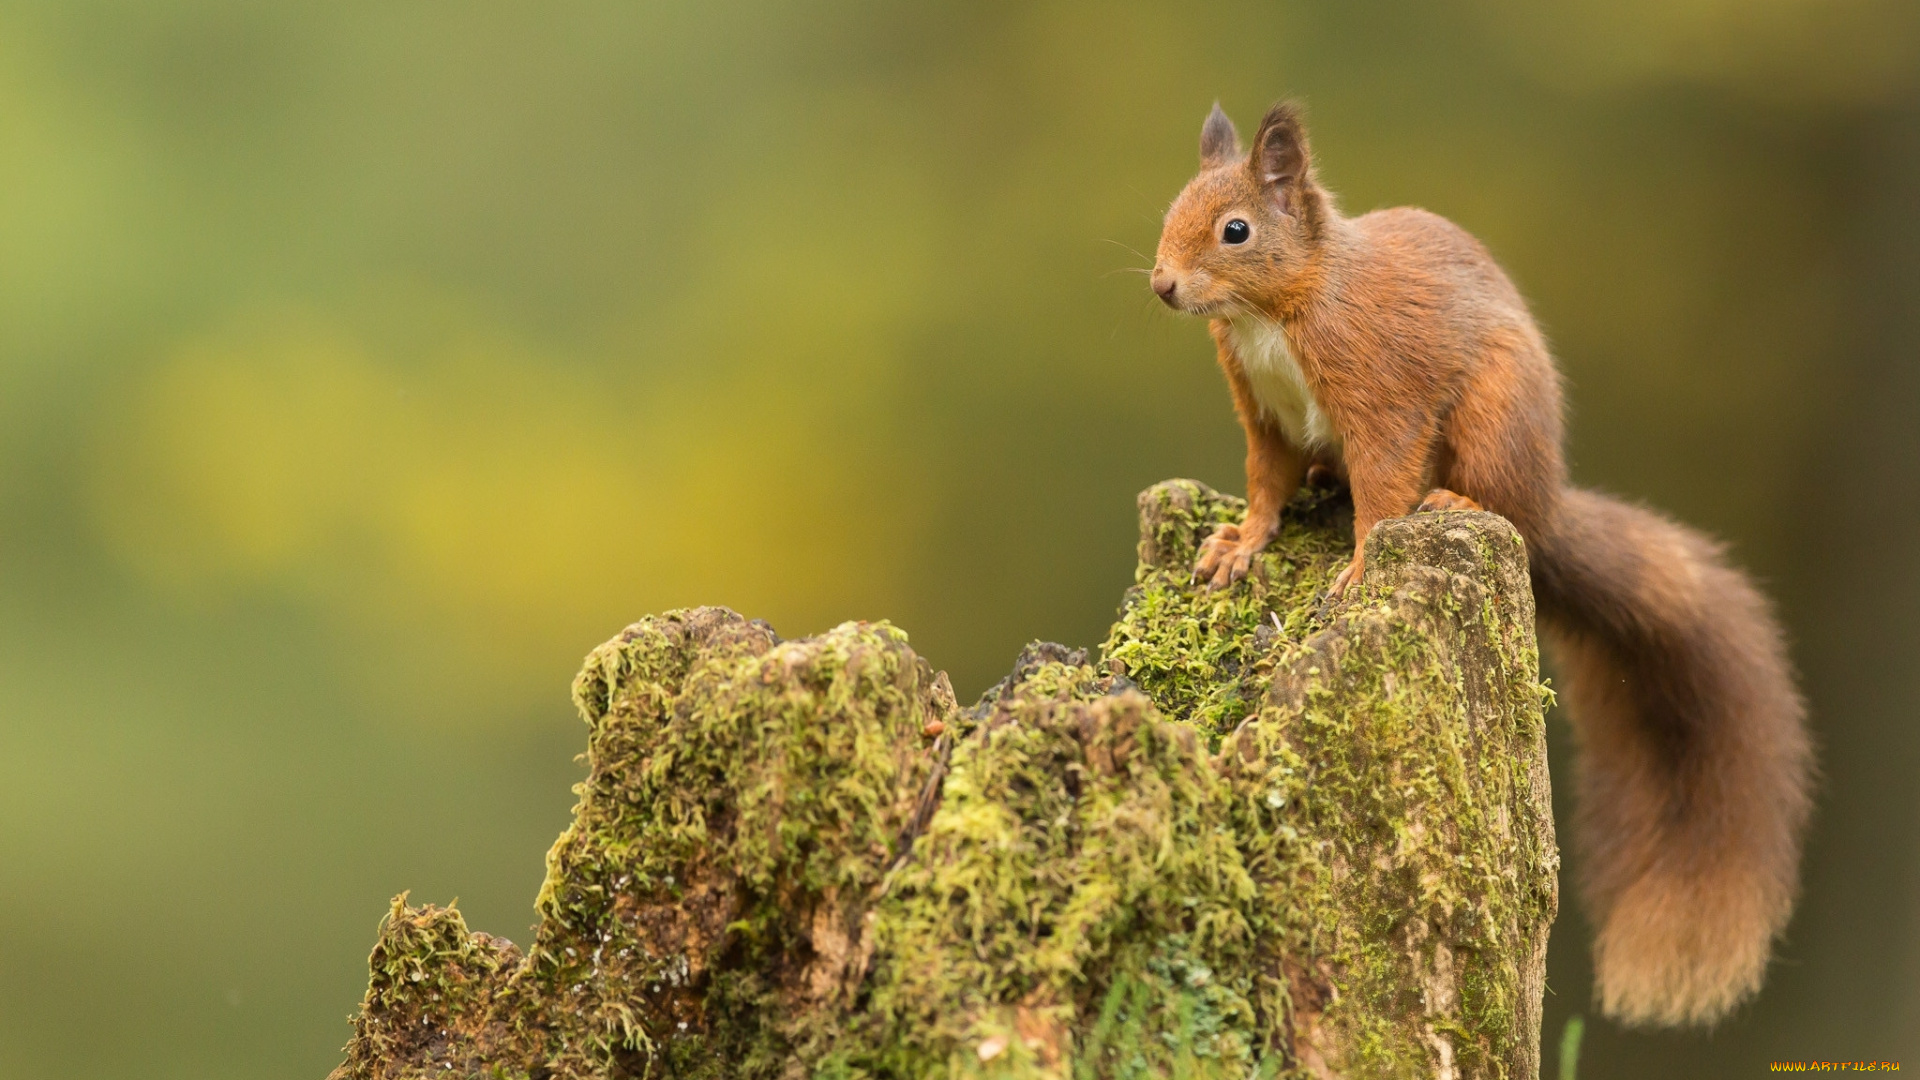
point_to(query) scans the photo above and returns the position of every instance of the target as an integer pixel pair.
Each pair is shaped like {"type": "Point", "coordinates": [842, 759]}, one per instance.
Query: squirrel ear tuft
{"type": "Point", "coordinates": [1219, 142]}
{"type": "Point", "coordinates": [1280, 158]}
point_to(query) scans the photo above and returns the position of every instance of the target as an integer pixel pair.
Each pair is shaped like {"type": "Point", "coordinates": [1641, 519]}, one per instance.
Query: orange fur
{"type": "Point", "coordinates": [1390, 348]}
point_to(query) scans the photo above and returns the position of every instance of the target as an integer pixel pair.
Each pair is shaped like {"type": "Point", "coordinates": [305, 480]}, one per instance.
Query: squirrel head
{"type": "Point", "coordinates": [1242, 238]}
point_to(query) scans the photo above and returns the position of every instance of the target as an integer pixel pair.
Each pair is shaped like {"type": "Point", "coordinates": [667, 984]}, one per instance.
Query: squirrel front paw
{"type": "Point", "coordinates": [1226, 556]}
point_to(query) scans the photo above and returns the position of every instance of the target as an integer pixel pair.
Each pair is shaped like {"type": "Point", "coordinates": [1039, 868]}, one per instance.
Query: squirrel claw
{"type": "Point", "coordinates": [1224, 558]}
{"type": "Point", "coordinates": [1323, 609]}
{"type": "Point", "coordinates": [1346, 578]}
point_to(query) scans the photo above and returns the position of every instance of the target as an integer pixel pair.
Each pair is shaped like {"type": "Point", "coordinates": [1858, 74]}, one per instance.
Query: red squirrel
{"type": "Point", "coordinates": [1390, 350]}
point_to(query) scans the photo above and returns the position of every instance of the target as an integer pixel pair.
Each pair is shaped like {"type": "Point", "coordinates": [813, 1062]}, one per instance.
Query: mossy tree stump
{"type": "Point", "coordinates": [1256, 837]}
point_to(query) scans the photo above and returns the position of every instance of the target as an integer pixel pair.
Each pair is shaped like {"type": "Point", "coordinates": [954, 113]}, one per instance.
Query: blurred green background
{"type": "Point", "coordinates": [363, 365]}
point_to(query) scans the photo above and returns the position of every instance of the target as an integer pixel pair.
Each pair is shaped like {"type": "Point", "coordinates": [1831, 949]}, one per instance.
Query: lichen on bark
{"type": "Point", "coordinates": [1255, 836]}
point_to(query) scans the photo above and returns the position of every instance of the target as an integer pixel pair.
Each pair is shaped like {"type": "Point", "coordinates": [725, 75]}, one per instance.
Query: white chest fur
{"type": "Point", "coordinates": [1278, 384]}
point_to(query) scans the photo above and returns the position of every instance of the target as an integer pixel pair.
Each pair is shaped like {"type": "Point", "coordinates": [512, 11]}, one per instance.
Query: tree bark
{"type": "Point", "coordinates": [1259, 835]}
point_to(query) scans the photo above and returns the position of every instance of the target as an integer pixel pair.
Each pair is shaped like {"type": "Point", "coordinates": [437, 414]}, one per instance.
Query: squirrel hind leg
{"type": "Point", "coordinates": [1324, 477]}
{"type": "Point", "coordinates": [1440, 499]}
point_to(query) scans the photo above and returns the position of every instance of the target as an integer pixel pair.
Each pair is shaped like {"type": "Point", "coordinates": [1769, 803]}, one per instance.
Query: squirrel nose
{"type": "Point", "coordinates": [1165, 285]}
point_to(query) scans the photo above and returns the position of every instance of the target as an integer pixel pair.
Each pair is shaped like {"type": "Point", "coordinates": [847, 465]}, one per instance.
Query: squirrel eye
{"type": "Point", "coordinates": [1236, 232]}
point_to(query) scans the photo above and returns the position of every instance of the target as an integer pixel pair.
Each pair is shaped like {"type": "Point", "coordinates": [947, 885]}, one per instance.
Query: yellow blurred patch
{"type": "Point", "coordinates": [498, 509]}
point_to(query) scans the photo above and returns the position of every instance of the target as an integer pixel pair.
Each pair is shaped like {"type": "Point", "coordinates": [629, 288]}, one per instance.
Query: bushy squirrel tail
{"type": "Point", "coordinates": [1694, 760]}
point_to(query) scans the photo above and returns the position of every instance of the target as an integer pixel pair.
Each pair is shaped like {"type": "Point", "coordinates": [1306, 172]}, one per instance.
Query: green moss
{"type": "Point", "coordinates": [1257, 836]}
{"type": "Point", "coordinates": [430, 994]}
{"type": "Point", "coordinates": [1200, 654]}
{"type": "Point", "coordinates": [745, 798]}
{"type": "Point", "coordinates": [1076, 840]}
{"type": "Point", "coordinates": [1394, 793]}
